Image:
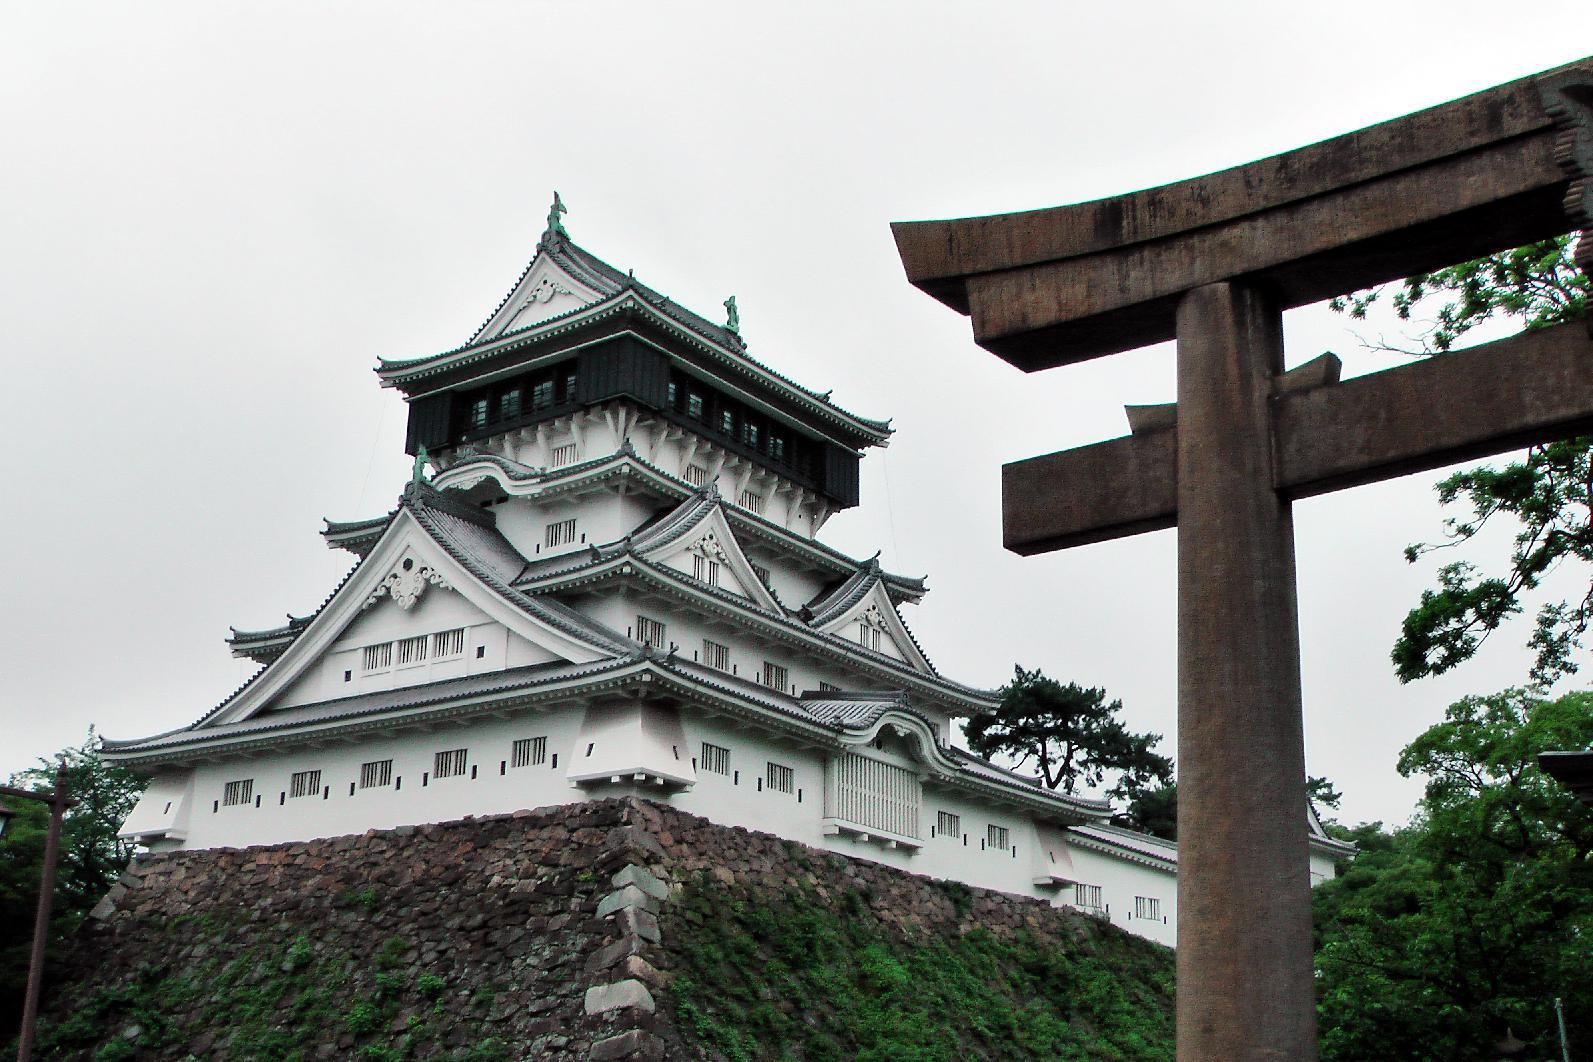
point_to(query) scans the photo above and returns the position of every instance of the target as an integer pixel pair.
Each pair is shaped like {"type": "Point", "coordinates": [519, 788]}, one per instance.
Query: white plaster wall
{"type": "Point", "coordinates": [1323, 868]}
{"type": "Point", "coordinates": [1120, 882]}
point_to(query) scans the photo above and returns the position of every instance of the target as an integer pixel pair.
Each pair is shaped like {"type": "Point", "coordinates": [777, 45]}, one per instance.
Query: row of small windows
{"type": "Point", "coordinates": [506, 402]}
{"type": "Point", "coordinates": [733, 420]}
{"type": "Point", "coordinates": [442, 645]}
{"type": "Point", "coordinates": [717, 656]}
{"type": "Point", "coordinates": [948, 825]}
{"type": "Point", "coordinates": [778, 777]}
{"type": "Point", "coordinates": [378, 774]}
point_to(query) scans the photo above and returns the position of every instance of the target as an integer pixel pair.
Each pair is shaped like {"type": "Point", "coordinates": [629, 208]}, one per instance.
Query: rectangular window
{"type": "Point", "coordinates": [694, 406]}
{"type": "Point", "coordinates": [562, 455]}
{"type": "Point", "coordinates": [1147, 907]}
{"type": "Point", "coordinates": [715, 759]}
{"type": "Point", "coordinates": [776, 677]}
{"type": "Point", "coordinates": [240, 792]}
{"type": "Point", "coordinates": [412, 650]}
{"type": "Point", "coordinates": [377, 657]}
{"type": "Point", "coordinates": [376, 774]}
{"type": "Point", "coordinates": [948, 825]}
{"type": "Point", "coordinates": [727, 422]}
{"type": "Point", "coordinates": [449, 764]}
{"type": "Point", "coordinates": [529, 752]}
{"type": "Point", "coordinates": [560, 534]}
{"type": "Point", "coordinates": [478, 414]}
{"type": "Point", "coordinates": [715, 655]}
{"type": "Point", "coordinates": [752, 500]}
{"type": "Point", "coordinates": [305, 783]}
{"type": "Point", "coordinates": [1087, 896]}
{"type": "Point", "coordinates": [867, 637]}
{"type": "Point", "coordinates": [509, 404]}
{"type": "Point", "coordinates": [650, 632]}
{"type": "Point", "coordinates": [696, 475]}
{"type": "Point", "coordinates": [873, 793]}
{"type": "Point", "coordinates": [704, 570]}
{"type": "Point", "coordinates": [749, 434]}
{"type": "Point", "coordinates": [777, 447]}
{"type": "Point", "coordinates": [448, 643]}
{"type": "Point", "coordinates": [996, 837]}
{"type": "Point", "coordinates": [829, 687]}
{"type": "Point", "coordinates": [569, 388]}
{"type": "Point", "coordinates": [780, 778]}
{"type": "Point", "coordinates": [542, 395]}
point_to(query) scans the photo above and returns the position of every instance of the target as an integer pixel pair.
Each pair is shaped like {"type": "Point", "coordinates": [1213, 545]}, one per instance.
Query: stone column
{"type": "Point", "coordinates": [1245, 988]}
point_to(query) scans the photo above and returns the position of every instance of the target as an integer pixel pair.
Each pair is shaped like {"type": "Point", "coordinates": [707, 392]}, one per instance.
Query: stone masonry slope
{"type": "Point", "coordinates": [609, 930]}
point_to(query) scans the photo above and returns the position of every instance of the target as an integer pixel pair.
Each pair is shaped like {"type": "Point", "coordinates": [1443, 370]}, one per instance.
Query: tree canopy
{"type": "Point", "coordinates": [1070, 734]}
{"type": "Point", "coordinates": [1548, 493]}
{"type": "Point", "coordinates": [1452, 937]}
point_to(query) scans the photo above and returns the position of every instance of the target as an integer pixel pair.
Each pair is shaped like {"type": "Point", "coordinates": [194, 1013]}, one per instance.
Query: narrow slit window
{"type": "Point", "coordinates": [239, 792]}
{"type": "Point", "coordinates": [529, 752]}
{"type": "Point", "coordinates": [376, 774]}
{"type": "Point", "coordinates": [304, 783]}
{"type": "Point", "coordinates": [780, 778]}
{"type": "Point", "coordinates": [450, 764]}
{"type": "Point", "coordinates": [704, 570]}
{"type": "Point", "coordinates": [696, 475]}
{"type": "Point", "coordinates": [448, 643]}
{"type": "Point", "coordinates": [752, 500]}
{"type": "Point", "coordinates": [948, 825]}
{"type": "Point", "coordinates": [829, 687]}
{"type": "Point", "coordinates": [776, 677]}
{"type": "Point", "coordinates": [562, 455]}
{"type": "Point", "coordinates": [560, 534]}
{"type": "Point", "coordinates": [650, 632]}
{"type": "Point", "coordinates": [715, 655]}
{"type": "Point", "coordinates": [412, 650]}
{"type": "Point", "coordinates": [715, 759]}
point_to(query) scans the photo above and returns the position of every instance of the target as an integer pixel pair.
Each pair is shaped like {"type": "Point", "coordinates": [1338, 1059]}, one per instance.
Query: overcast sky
{"type": "Point", "coordinates": [217, 215]}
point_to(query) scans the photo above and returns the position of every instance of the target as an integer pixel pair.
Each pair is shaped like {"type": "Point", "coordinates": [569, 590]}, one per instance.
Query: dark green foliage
{"type": "Point", "coordinates": [1071, 734]}
{"type": "Point", "coordinates": [797, 976]}
{"type": "Point", "coordinates": [1444, 939]}
{"type": "Point", "coordinates": [1155, 811]}
{"type": "Point", "coordinates": [1549, 494]}
{"type": "Point", "coordinates": [91, 859]}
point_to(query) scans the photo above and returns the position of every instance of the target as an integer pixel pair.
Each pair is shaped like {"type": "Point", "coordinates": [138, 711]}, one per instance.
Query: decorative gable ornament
{"type": "Point", "coordinates": [708, 547]}
{"type": "Point", "coordinates": [873, 618]}
{"type": "Point", "coordinates": [406, 583]}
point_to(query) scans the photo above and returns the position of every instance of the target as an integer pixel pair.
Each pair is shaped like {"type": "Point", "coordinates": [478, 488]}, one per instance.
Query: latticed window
{"type": "Point", "coordinates": [377, 657]}
{"type": "Point", "coordinates": [752, 500]}
{"type": "Point", "coordinates": [704, 570]}
{"type": "Point", "coordinates": [1087, 896]}
{"type": "Point", "coordinates": [948, 825]}
{"type": "Point", "coordinates": [876, 794]}
{"type": "Point", "coordinates": [449, 764]}
{"type": "Point", "coordinates": [560, 534]}
{"type": "Point", "coordinates": [650, 632]}
{"type": "Point", "coordinates": [411, 650]}
{"type": "Point", "coordinates": [1147, 907]}
{"type": "Point", "coordinates": [775, 677]}
{"type": "Point", "coordinates": [448, 643]}
{"type": "Point", "coordinates": [780, 778]}
{"type": "Point", "coordinates": [715, 758]}
{"type": "Point", "coordinates": [867, 636]}
{"type": "Point", "coordinates": [304, 783]}
{"type": "Point", "coordinates": [529, 752]}
{"type": "Point", "coordinates": [376, 773]}
{"type": "Point", "coordinates": [829, 687]}
{"type": "Point", "coordinates": [762, 573]}
{"type": "Point", "coordinates": [696, 475]}
{"type": "Point", "coordinates": [562, 455]}
{"type": "Point", "coordinates": [239, 792]}
{"type": "Point", "coordinates": [715, 655]}
{"type": "Point", "coordinates": [996, 837]}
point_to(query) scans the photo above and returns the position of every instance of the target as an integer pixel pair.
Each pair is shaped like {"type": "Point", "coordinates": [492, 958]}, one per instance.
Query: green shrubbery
{"type": "Point", "coordinates": [797, 976]}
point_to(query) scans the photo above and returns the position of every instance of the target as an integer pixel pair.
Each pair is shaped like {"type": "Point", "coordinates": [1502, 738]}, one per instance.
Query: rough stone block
{"type": "Point", "coordinates": [629, 896]}
{"type": "Point", "coordinates": [600, 999]}
{"type": "Point", "coordinates": [633, 1044]}
{"type": "Point", "coordinates": [642, 924]}
{"type": "Point", "coordinates": [643, 879]}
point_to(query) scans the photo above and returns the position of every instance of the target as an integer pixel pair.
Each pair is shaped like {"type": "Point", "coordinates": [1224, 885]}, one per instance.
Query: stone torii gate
{"type": "Point", "coordinates": [1213, 263]}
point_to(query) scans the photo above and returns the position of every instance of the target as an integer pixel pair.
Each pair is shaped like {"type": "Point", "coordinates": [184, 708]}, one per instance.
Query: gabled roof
{"type": "Point", "coordinates": [616, 290]}
{"type": "Point", "coordinates": [265, 646]}
{"type": "Point", "coordinates": [356, 536]}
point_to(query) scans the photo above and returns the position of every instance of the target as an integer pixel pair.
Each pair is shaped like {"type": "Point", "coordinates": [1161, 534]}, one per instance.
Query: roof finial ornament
{"type": "Point", "coordinates": [418, 476]}
{"type": "Point", "coordinates": [556, 226]}
{"type": "Point", "coordinates": [732, 316]}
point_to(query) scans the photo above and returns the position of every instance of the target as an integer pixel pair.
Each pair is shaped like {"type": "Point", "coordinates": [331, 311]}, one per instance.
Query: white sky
{"type": "Point", "coordinates": [217, 215]}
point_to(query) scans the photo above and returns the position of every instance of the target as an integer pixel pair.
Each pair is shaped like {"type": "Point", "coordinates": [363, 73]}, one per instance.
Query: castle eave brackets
{"type": "Point", "coordinates": [1453, 407]}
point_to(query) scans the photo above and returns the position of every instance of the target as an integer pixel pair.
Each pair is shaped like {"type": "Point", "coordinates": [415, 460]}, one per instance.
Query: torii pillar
{"type": "Point", "coordinates": [1213, 263]}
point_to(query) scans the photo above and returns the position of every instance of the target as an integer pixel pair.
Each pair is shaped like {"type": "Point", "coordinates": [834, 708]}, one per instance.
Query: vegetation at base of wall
{"type": "Point", "coordinates": [266, 1002]}
{"type": "Point", "coordinates": [798, 975]}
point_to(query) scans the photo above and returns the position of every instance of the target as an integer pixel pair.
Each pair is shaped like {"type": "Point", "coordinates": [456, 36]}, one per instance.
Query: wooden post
{"type": "Point", "coordinates": [59, 803]}
{"type": "Point", "coordinates": [1245, 988]}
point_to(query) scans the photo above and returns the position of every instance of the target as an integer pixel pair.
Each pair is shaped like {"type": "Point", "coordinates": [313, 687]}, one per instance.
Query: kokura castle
{"type": "Point", "coordinates": [612, 584]}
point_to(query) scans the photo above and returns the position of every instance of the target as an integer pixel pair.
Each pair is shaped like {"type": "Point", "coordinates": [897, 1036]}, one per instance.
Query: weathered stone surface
{"type": "Point", "coordinates": [627, 993]}
{"type": "Point", "coordinates": [643, 879]}
{"type": "Point", "coordinates": [632, 1044]}
{"type": "Point", "coordinates": [629, 896]}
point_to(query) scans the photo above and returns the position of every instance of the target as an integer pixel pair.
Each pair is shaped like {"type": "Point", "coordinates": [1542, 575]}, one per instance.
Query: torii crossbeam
{"type": "Point", "coordinates": [1213, 262]}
